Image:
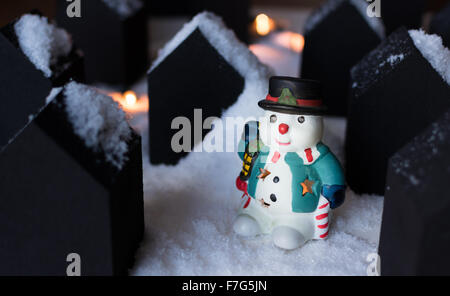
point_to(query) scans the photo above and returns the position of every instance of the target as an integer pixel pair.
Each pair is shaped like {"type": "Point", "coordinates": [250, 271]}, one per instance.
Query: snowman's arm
{"type": "Point", "coordinates": [332, 177]}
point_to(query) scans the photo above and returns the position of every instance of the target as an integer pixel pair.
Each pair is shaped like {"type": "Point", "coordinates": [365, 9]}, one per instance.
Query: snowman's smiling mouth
{"type": "Point", "coordinates": [282, 143]}
{"type": "Point", "coordinates": [263, 203]}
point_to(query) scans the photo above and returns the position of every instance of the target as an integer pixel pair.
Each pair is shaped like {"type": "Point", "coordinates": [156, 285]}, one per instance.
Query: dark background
{"type": "Point", "coordinates": [14, 8]}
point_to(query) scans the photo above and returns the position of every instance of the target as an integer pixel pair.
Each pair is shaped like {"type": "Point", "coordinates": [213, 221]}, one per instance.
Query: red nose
{"type": "Point", "coordinates": [283, 128]}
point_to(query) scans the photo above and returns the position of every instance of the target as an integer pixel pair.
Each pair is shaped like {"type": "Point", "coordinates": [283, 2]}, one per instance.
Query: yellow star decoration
{"type": "Point", "coordinates": [264, 174]}
{"type": "Point", "coordinates": [307, 186]}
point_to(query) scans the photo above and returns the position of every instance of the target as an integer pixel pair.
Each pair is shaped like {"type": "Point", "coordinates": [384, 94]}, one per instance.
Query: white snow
{"type": "Point", "coordinates": [431, 47]}
{"type": "Point", "coordinates": [321, 13]}
{"type": "Point", "coordinates": [124, 8]}
{"type": "Point", "coordinates": [331, 5]}
{"type": "Point", "coordinates": [393, 60]}
{"type": "Point", "coordinates": [380, 61]}
{"type": "Point", "coordinates": [42, 42]}
{"type": "Point", "coordinates": [53, 93]}
{"type": "Point", "coordinates": [99, 121]}
{"type": "Point", "coordinates": [407, 159]}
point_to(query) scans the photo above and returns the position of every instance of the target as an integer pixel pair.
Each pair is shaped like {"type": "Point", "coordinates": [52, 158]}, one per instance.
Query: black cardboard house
{"type": "Point", "coordinates": [59, 197]}
{"type": "Point", "coordinates": [415, 231]}
{"type": "Point", "coordinates": [440, 25]}
{"type": "Point", "coordinates": [194, 75]}
{"type": "Point", "coordinates": [24, 88]}
{"type": "Point", "coordinates": [395, 94]}
{"type": "Point", "coordinates": [115, 45]}
{"type": "Point", "coordinates": [337, 36]}
{"type": "Point", "coordinates": [70, 67]}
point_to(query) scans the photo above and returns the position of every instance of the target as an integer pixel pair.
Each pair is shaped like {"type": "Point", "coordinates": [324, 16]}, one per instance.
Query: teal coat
{"type": "Point", "coordinates": [325, 171]}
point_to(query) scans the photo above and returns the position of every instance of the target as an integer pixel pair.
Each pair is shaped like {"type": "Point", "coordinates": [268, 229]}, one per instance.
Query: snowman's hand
{"type": "Point", "coordinates": [241, 185]}
{"type": "Point", "coordinates": [335, 194]}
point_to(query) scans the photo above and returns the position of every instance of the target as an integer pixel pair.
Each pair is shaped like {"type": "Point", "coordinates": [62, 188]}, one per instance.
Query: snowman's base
{"type": "Point", "coordinates": [288, 230]}
{"type": "Point", "coordinates": [245, 225]}
{"type": "Point", "coordinates": [287, 238]}
{"type": "Point", "coordinates": [284, 237]}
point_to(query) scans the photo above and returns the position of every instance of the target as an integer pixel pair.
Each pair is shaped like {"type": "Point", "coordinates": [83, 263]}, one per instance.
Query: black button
{"type": "Point", "coordinates": [276, 180]}
{"type": "Point", "coordinates": [273, 197]}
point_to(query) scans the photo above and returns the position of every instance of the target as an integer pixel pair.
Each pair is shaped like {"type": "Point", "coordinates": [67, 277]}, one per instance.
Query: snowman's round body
{"type": "Point", "coordinates": [274, 191]}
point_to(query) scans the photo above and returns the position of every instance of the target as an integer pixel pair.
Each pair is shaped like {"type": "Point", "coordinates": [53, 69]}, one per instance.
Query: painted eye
{"type": "Point", "coordinates": [301, 119]}
{"type": "Point", "coordinates": [273, 197]}
{"type": "Point", "coordinates": [273, 118]}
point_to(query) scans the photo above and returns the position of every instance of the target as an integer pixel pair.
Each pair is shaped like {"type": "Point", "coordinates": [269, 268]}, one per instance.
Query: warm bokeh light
{"type": "Point", "coordinates": [264, 24]}
{"type": "Point", "coordinates": [290, 40]}
{"type": "Point", "coordinates": [130, 97]}
{"type": "Point", "coordinates": [297, 42]}
{"type": "Point", "coordinates": [130, 102]}
{"type": "Point", "coordinates": [265, 52]}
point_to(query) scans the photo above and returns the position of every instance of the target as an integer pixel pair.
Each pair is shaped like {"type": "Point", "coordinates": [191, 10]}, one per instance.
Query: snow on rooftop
{"type": "Point", "coordinates": [124, 8]}
{"type": "Point", "coordinates": [53, 93]}
{"type": "Point", "coordinates": [395, 58]}
{"type": "Point", "coordinates": [381, 61]}
{"type": "Point", "coordinates": [99, 121]}
{"type": "Point", "coordinates": [42, 42]}
{"type": "Point", "coordinates": [422, 149]}
{"type": "Point", "coordinates": [432, 48]}
{"type": "Point", "coordinates": [222, 39]}
{"type": "Point", "coordinates": [331, 5]}
{"type": "Point", "coordinates": [321, 13]}
{"type": "Point", "coordinates": [393, 50]}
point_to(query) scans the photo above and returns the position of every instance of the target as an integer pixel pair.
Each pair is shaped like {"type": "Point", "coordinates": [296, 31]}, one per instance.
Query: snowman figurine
{"type": "Point", "coordinates": [290, 179]}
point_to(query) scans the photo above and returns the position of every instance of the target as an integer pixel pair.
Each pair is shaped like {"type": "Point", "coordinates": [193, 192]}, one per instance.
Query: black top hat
{"type": "Point", "coordinates": [294, 96]}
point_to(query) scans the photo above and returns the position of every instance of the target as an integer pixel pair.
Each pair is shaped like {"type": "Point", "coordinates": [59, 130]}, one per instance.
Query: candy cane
{"type": "Point", "coordinates": [321, 218]}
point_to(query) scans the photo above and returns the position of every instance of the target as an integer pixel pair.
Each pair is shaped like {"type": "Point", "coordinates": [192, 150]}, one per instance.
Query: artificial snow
{"type": "Point", "coordinates": [53, 93]}
{"type": "Point", "coordinates": [380, 61]}
{"type": "Point", "coordinates": [393, 60]}
{"type": "Point", "coordinates": [99, 121]}
{"type": "Point", "coordinates": [432, 49]}
{"type": "Point", "coordinates": [42, 42]}
{"type": "Point", "coordinates": [424, 147]}
{"type": "Point", "coordinates": [124, 8]}
{"type": "Point", "coordinates": [328, 7]}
